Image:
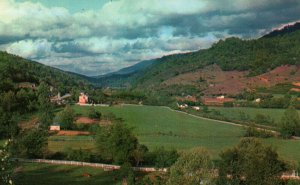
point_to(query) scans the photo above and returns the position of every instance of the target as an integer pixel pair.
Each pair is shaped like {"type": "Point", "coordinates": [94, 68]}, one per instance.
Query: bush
{"type": "Point", "coordinates": [163, 158]}
{"type": "Point", "coordinates": [93, 114]}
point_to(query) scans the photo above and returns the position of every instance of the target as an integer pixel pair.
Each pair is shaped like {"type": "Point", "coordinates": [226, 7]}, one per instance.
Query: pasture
{"type": "Point", "coordinates": [159, 126]}
{"type": "Point", "coordinates": [48, 174]}
{"type": "Point", "coordinates": [234, 112]}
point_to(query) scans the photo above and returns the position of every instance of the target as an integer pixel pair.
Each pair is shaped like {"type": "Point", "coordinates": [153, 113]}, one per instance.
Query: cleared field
{"type": "Point", "coordinates": [234, 112]}
{"type": "Point", "coordinates": [159, 126]}
{"type": "Point", "coordinates": [46, 174]}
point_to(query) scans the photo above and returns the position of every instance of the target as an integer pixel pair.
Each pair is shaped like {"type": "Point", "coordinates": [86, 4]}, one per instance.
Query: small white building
{"type": "Point", "coordinates": [257, 100]}
{"type": "Point", "coordinates": [221, 97]}
{"type": "Point", "coordinates": [55, 127]}
{"type": "Point", "coordinates": [196, 108]}
{"type": "Point", "coordinates": [183, 106]}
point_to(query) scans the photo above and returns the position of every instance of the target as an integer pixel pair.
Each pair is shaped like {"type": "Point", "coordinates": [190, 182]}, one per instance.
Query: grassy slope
{"type": "Point", "coordinates": [158, 126]}
{"type": "Point", "coordinates": [233, 113]}
{"type": "Point", "coordinates": [45, 174]}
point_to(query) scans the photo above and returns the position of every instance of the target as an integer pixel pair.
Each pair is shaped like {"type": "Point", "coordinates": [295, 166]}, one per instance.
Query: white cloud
{"type": "Point", "coordinates": [127, 31]}
{"type": "Point", "coordinates": [30, 49]}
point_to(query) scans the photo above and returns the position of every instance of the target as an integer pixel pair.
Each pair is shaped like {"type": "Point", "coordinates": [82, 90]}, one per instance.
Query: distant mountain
{"type": "Point", "coordinates": [122, 78]}
{"type": "Point", "coordinates": [131, 69]}
{"type": "Point", "coordinates": [285, 30]}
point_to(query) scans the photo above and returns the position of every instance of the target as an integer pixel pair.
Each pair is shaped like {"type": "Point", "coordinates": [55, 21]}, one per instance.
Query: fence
{"type": "Point", "coordinates": [95, 165]}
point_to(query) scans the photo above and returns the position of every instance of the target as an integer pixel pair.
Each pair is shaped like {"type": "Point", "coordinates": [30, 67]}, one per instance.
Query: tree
{"type": "Point", "coordinates": [116, 142]}
{"type": "Point", "coordinates": [192, 167]}
{"type": "Point", "coordinates": [32, 143]}
{"type": "Point", "coordinates": [251, 163]}
{"type": "Point", "coordinates": [45, 106]}
{"type": "Point", "coordinates": [6, 167]}
{"type": "Point", "coordinates": [93, 113]}
{"type": "Point", "coordinates": [8, 124]}
{"type": "Point", "coordinates": [66, 117]}
{"type": "Point", "coordinates": [290, 123]}
{"type": "Point", "coordinates": [127, 173]}
{"type": "Point", "coordinates": [164, 158]}
{"type": "Point", "coordinates": [139, 154]}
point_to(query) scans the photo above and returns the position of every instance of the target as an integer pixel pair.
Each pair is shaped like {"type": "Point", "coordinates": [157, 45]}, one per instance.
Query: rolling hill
{"type": "Point", "coordinates": [267, 61]}
{"type": "Point", "coordinates": [16, 70]}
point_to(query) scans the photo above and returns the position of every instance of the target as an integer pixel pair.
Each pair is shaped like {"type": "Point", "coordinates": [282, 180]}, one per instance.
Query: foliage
{"type": "Point", "coordinates": [251, 163]}
{"type": "Point", "coordinates": [78, 155]}
{"type": "Point", "coordinates": [263, 119]}
{"type": "Point", "coordinates": [192, 167]}
{"type": "Point", "coordinates": [290, 123]}
{"type": "Point", "coordinates": [126, 172]}
{"type": "Point", "coordinates": [66, 117]}
{"type": "Point", "coordinates": [8, 124]}
{"type": "Point", "coordinates": [164, 158]}
{"type": "Point", "coordinates": [45, 106]}
{"type": "Point", "coordinates": [6, 166]}
{"type": "Point", "coordinates": [116, 142]}
{"type": "Point", "coordinates": [93, 113]}
{"type": "Point", "coordinates": [31, 143]}
{"type": "Point", "coordinates": [139, 154]}
{"type": "Point", "coordinates": [257, 56]}
{"type": "Point", "coordinates": [253, 131]}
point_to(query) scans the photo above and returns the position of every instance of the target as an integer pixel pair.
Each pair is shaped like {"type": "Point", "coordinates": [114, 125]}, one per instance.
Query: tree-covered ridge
{"type": "Point", "coordinates": [14, 70]}
{"type": "Point", "coordinates": [26, 87]}
{"type": "Point", "coordinates": [257, 56]}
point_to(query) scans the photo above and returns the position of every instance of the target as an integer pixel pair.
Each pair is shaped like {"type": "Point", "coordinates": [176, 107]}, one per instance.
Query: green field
{"type": "Point", "coordinates": [159, 126]}
{"type": "Point", "coordinates": [46, 174]}
{"type": "Point", "coordinates": [234, 112]}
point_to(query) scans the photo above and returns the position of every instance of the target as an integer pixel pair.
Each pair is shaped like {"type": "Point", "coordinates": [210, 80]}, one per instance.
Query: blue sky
{"type": "Point", "coordinates": [95, 37]}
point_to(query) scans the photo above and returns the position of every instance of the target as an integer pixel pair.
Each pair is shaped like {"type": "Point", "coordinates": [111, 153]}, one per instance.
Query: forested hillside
{"type": "Point", "coordinates": [254, 56]}
{"type": "Point", "coordinates": [26, 87]}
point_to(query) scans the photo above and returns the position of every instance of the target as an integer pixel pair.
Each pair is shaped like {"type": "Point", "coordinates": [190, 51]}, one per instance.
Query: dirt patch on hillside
{"type": "Point", "coordinates": [218, 81]}
{"type": "Point", "coordinates": [105, 122]}
{"type": "Point", "coordinates": [28, 124]}
{"type": "Point", "coordinates": [86, 120]}
{"type": "Point", "coordinates": [72, 133]}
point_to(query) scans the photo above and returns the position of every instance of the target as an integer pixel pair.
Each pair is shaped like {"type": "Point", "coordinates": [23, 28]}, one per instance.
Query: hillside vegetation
{"type": "Point", "coordinates": [256, 56]}
{"type": "Point", "coordinates": [246, 58]}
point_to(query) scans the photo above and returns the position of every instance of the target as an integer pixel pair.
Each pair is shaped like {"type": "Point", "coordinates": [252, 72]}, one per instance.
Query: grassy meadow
{"type": "Point", "coordinates": [48, 174]}
{"type": "Point", "coordinates": [159, 126]}
{"type": "Point", "coordinates": [234, 112]}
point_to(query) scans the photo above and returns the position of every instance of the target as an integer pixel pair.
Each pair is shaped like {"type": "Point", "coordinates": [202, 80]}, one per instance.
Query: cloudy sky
{"type": "Point", "coordinates": [95, 37]}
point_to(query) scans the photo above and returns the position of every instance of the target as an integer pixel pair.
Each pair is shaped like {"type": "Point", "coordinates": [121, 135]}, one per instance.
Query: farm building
{"type": "Point", "coordinates": [54, 127]}
{"type": "Point", "coordinates": [83, 99]}
{"type": "Point", "coordinates": [196, 108]}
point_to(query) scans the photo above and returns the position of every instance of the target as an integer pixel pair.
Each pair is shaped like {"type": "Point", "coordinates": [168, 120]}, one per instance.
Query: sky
{"type": "Point", "coordinates": [94, 37]}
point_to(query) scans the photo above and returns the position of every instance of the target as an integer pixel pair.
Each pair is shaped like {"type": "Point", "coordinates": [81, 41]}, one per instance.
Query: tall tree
{"type": "Point", "coordinates": [66, 117]}
{"type": "Point", "coordinates": [192, 167]}
{"type": "Point", "coordinates": [32, 143]}
{"type": "Point", "coordinates": [290, 123]}
{"type": "Point", "coordinates": [251, 163]}
{"type": "Point", "coordinates": [116, 142]}
{"type": "Point", "coordinates": [45, 106]}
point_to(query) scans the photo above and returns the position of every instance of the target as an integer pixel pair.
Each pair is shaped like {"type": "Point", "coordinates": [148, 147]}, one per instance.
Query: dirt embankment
{"type": "Point", "coordinates": [218, 81]}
